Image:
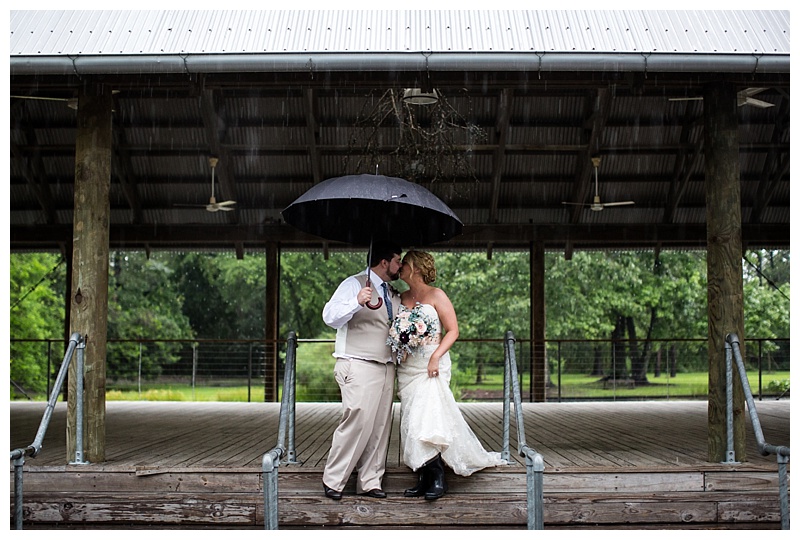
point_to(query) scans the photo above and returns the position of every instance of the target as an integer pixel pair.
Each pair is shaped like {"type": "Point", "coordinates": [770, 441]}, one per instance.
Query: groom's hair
{"type": "Point", "coordinates": [384, 250]}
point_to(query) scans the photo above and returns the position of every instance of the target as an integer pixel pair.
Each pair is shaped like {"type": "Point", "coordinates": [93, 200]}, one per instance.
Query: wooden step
{"type": "Point", "coordinates": [80, 497]}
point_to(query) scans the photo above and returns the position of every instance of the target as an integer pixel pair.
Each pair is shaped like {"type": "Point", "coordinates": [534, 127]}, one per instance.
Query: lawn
{"type": "Point", "coordinates": [573, 386]}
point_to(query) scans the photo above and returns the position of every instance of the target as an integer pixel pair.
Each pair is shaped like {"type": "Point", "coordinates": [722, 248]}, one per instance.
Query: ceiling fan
{"type": "Point", "coordinates": [72, 102]}
{"type": "Point", "coordinates": [743, 97]}
{"type": "Point", "coordinates": [596, 205]}
{"type": "Point", "coordinates": [213, 205]}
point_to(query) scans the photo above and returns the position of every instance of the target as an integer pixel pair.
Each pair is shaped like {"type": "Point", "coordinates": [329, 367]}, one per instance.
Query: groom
{"type": "Point", "coordinates": [365, 373]}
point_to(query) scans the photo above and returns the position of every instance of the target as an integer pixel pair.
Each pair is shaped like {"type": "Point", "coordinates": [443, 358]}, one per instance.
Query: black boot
{"type": "Point", "coordinates": [438, 485]}
{"type": "Point", "coordinates": [422, 483]}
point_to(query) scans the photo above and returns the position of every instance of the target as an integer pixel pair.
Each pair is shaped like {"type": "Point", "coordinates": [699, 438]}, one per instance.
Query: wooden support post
{"type": "Point", "coordinates": [538, 356]}
{"type": "Point", "coordinates": [724, 262]}
{"type": "Point", "coordinates": [89, 285]}
{"type": "Point", "coordinates": [271, 323]}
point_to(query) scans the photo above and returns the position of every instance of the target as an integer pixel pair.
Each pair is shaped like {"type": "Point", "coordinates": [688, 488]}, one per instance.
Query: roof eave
{"type": "Point", "coordinates": [646, 62]}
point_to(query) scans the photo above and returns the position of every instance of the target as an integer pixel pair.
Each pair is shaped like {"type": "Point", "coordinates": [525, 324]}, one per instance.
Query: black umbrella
{"type": "Point", "coordinates": [360, 209]}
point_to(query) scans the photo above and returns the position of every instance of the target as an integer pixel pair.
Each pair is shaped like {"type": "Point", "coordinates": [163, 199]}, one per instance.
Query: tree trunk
{"type": "Point", "coordinates": [673, 362]}
{"type": "Point", "coordinates": [657, 367]}
{"type": "Point", "coordinates": [479, 373]}
{"type": "Point", "coordinates": [638, 361]}
{"type": "Point", "coordinates": [598, 362]}
{"type": "Point", "coordinates": [618, 369]}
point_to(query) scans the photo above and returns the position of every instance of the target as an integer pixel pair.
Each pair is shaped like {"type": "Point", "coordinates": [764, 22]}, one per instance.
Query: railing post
{"type": "Point", "coordinates": [79, 384]}
{"type": "Point", "coordinates": [49, 367]}
{"type": "Point", "coordinates": [783, 490]}
{"type": "Point", "coordinates": [269, 468]}
{"type": "Point", "coordinates": [559, 371]}
{"type": "Point", "coordinates": [534, 465]}
{"type": "Point", "coordinates": [249, 370]}
{"type": "Point", "coordinates": [290, 381]}
{"type": "Point", "coordinates": [18, 458]}
{"type": "Point", "coordinates": [194, 368]}
{"type": "Point", "coordinates": [730, 453]}
{"type": "Point", "coordinates": [506, 452]}
{"type": "Point", "coordinates": [140, 369]}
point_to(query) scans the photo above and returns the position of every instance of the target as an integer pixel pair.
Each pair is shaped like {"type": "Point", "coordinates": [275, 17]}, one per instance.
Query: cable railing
{"type": "Point", "coordinates": [76, 342]}
{"type": "Point", "coordinates": [733, 352]}
{"type": "Point", "coordinates": [576, 370]}
{"type": "Point", "coordinates": [286, 426]}
{"type": "Point", "coordinates": [534, 462]}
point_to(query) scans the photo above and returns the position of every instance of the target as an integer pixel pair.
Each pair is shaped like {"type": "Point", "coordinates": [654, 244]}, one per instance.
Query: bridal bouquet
{"type": "Point", "coordinates": [408, 329]}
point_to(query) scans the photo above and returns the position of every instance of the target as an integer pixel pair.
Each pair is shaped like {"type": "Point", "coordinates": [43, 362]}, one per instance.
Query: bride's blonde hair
{"type": "Point", "coordinates": [423, 261]}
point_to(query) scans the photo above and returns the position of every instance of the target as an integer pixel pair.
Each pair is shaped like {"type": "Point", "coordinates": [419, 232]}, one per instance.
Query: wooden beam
{"type": "Point", "coordinates": [724, 262]}
{"type": "Point", "coordinates": [682, 173]}
{"type": "Point", "coordinates": [539, 371]}
{"type": "Point", "coordinates": [504, 104]}
{"type": "Point", "coordinates": [598, 106]}
{"type": "Point", "coordinates": [775, 167]}
{"type": "Point", "coordinates": [312, 135]}
{"type": "Point", "coordinates": [127, 179]}
{"type": "Point", "coordinates": [473, 237]}
{"type": "Point", "coordinates": [272, 322]}
{"type": "Point", "coordinates": [215, 127]}
{"type": "Point", "coordinates": [89, 288]}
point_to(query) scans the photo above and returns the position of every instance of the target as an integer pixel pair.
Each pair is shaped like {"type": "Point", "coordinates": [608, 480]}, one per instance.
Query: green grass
{"type": "Point", "coordinates": [184, 392]}
{"type": "Point", "coordinates": [683, 385]}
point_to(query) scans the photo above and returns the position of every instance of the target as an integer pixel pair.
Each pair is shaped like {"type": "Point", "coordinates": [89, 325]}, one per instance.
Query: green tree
{"type": "Point", "coordinates": [143, 304]}
{"type": "Point", "coordinates": [307, 283]}
{"type": "Point", "coordinates": [629, 297]}
{"type": "Point", "coordinates": [37, 285]}
{"type": "Point", "coordinates": [490, 297]}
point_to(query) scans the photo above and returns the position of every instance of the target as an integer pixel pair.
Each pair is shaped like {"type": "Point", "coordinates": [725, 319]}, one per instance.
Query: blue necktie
{"type": "Point", "coordinates": [386, 300]}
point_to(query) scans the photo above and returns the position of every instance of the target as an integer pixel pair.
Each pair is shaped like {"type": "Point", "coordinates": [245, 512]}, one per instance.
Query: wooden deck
{"type": "Point", "coordinates": [607, 464]}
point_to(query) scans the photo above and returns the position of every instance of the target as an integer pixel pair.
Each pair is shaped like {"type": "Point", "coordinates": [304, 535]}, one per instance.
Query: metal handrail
{"type": "Point", "coordinates": [534, 462]}
{"type": "Point", "coordinates": [76, 342]}
{"type": "Point", "coordinates": [286, 421]}
{"type": "Point", "coordinates": [732, 349]}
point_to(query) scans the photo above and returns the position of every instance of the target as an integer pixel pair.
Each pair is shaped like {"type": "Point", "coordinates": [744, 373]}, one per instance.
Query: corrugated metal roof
{"type": "Point", "coordinates": [37, 33]}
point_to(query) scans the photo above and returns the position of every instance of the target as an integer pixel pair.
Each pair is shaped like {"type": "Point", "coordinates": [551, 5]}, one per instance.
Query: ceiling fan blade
{"type": "Point", "coordinates": [757, 103]}
{"type": "Point", "coordinates": [226, 203]}
{"type": "Point", "coordinates": [217, 208]}
{"type": "Point", "coordinates": [749, 92]}
{"type": "Point", "coordinates": [620, 203]}
{"type": "Point", "coordinates": [574, 203]}
{"type": "Point", "coordinates": [42, 98]}
{"type": "Point", "coordinates": [699, 98]}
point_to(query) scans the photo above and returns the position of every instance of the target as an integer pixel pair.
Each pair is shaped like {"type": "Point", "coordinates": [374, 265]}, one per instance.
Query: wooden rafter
{"type": "Point", "coordinates": [215, 128]}
{"type": "Point", "coordinates": [121, 165]}
{"type": "Point", "coordinates": [312, 135]}
{"type": "Point", "coordinates": [501, 136]}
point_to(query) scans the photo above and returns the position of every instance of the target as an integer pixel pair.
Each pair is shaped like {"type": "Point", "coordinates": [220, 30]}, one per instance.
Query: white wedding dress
{"type": "Point", "coordinates": [431, 422]}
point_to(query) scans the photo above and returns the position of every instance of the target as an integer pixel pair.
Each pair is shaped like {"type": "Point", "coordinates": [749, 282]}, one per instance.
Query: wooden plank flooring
{"type": "Point", "coordinates": [568, 435]}
{"type": "Point", "coordinates": [195, 465]}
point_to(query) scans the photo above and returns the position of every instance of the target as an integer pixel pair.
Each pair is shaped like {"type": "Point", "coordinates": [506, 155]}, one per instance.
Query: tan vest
{"type": "Point", "coordinates": [364, 336]}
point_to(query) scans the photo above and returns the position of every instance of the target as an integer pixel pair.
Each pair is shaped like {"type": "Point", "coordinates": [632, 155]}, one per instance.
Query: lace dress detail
{"type": "Point", "coordinates": [431, 422]}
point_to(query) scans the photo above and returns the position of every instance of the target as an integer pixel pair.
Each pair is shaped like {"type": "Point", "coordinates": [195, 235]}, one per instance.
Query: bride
{"type": "Point", "coordinates": [433, 431]}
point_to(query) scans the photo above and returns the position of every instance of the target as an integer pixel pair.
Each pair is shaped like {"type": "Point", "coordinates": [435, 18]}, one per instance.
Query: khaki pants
{"type": "Point", "coordinates": [361, 440]}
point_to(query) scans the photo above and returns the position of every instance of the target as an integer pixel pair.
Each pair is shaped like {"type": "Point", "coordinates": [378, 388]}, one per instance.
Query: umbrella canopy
{"type": "Point", "coordinates": [360, 209]}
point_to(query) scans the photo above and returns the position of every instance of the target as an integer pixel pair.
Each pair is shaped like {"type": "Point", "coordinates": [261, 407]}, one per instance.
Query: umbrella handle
{"type": "Point", "coordinates": [380, 300]}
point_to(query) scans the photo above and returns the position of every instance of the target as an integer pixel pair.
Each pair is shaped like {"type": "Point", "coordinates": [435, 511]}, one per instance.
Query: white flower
{"type": "Point", "coordinates": [409, 329]}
